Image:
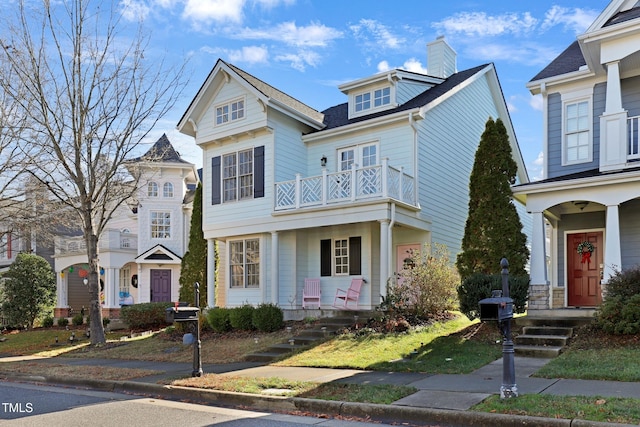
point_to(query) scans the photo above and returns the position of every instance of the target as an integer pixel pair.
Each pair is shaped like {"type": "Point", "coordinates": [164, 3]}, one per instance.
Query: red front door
{"type": "Point", "coordinates": [584, 271]}
{"type": "Point", "coordinates": [160, 285]}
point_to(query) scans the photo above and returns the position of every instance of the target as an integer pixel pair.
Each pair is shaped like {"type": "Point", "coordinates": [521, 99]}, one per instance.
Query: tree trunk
{"type": "Point", "coordinates": [95, 310]}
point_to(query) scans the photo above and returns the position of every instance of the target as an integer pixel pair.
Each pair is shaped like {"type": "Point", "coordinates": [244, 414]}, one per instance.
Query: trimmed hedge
{"type": "Point", "coordinates": [146, 315]}
{"type": "Point", "coordinates": [479, 286]}
{"type": "Point", "coordinates": [268, 318]}
{"type": "Point", "coordinates": [218, 319]}
{"type": "Point", "coordinates": [241, 318]}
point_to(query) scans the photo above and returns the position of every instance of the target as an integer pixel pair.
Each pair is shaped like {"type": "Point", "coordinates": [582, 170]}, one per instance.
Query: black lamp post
{"type": "Point", "coordinates": [197, 360]}
{"type": "Point", "coordinates": [508, 388]}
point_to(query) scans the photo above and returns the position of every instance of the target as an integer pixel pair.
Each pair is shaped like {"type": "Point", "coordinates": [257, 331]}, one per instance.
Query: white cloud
{"type": "Point", "coordinates": [246, 54]}
{"type": "Point", "coordinates": [383, 66]}
{"type": "Point", "coordinates": [536, 102]}
{"type": "Point", "coordinates": [524, 53]}
{"type": "Point", "coordinates": [382, 36]}
{"type": "Point", "coordinates": [270, 4]}
{"type": "Point", "coordinates": [411, 64]}
{"type": "Point", "coordinates": [206, 11]}
{"type": "Point", "coordinates": [481, 24]}
{"type": "Point", "coordinates": [574, 19]}
{"type": "Point", "coordinates": [299, 61]}
{"type": "Point", "coordinates": [536, 168]}
{"type": "Point", "coordinates": [134, 10]}
{"type": "Point", "coordinates": [313, 35]}
{"type": "Point", "coordinates": [511, 106]}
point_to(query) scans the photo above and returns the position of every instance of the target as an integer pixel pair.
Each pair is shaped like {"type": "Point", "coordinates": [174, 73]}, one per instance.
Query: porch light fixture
{"type": "Point", "coordinates": [85, 281]}
{"type": "Point", "coordinates": [323, 161]}
{"type": "Point", "coordinates": [581, 204]}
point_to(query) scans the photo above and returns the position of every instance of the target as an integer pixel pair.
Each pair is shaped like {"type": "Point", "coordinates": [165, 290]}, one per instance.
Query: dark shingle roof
{"type": "Point", "coordinates": [161, 151]}
{"type": "Point", "coordinates": [568, 61]}
{"type": "Point", "coordinates": [338, 115]}
{"type": "Point", "coordinates": [591, 173]}
{"type": "Point", "coordinates": [620, 17]}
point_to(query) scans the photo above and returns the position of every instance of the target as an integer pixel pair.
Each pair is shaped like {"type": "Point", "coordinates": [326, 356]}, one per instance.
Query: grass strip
{"type": "Point", "coordinates": [590, 408]}
{"type": "Point", "coordinates": [373, 393]}
{"type": "Point", "coordinates": [612, 364]}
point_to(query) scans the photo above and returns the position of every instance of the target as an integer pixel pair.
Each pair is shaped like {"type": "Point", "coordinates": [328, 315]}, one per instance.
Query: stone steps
{"type": "Point", "coordinates": [545, 337]}
{"type": "Point", "coordinates": [323, 330]}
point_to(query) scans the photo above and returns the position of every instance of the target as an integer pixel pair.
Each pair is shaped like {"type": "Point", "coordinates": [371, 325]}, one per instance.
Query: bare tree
{"type": "Point", "coordinates": [91, 98]}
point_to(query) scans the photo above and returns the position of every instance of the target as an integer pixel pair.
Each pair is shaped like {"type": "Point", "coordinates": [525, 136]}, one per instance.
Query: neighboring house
{"type": "Point", "coordinates": [141, 250]}
{"type": "Point", "coordinates": [291, 193]}
{"type": "Point", "coordinates": [590, 194]}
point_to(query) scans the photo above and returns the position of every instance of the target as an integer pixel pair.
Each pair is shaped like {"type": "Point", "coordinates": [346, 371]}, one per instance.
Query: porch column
{"type": "Point", "coordinates": [211, 273]}
{"type": "Point", "coordinates": [612, 253]}
{"type": "Point", "coordinates": [539, 286]}
{"type": "Point", "coordinates": [539, 251]}
{"type": "Point", "coordinates": [613, 124]}
{"type": "Point", "coordinates": [614, 93]}
{"type": "Point", "coordinates": [275, 276]}
{"type": "Point", "coordinates": [62, 291]}
{"type": "Point", "coordinates": [385, 258]}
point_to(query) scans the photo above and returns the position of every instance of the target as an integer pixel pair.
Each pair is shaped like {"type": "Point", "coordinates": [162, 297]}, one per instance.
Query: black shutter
{"type": "Point", "coordinates": [355, 256]}
{"type": "Point", "coordinates": [215, 180]}
{"type": "Point", "coordinates": [258, 172]}
{"type": "Point", "coordinates": [325, 257]}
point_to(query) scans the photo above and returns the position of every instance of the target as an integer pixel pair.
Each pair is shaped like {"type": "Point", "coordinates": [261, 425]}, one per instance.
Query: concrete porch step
{"type": "Point", "coordinates": [537, 351]}
{"type": "Point", "coordinates": [542, 340]}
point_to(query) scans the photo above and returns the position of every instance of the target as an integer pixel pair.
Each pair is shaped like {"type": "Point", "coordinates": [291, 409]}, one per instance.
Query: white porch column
{"type": "Point", "coordinates": [384, 258]}
{"type": "Point", "coordinates": [613, 124]}
{"type": "Point", "coordinates": [211, 273]}
{"type": "Point", "coordinates": [111, 287]}
{"type": "Point", "coordinates": [538, 251]}
{"type": "Point", "coordinates": [612, 252]}
{"type": "Point", "coordinates": [62, 292]}
{"type": "Point", "coordinates": [275, 274]}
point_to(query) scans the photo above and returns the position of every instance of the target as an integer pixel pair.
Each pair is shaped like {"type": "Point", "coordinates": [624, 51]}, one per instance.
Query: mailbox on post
{"type": "Point", "coordinates": [182, 314]}
{"type": "Point", "coordinates": [496, 309]}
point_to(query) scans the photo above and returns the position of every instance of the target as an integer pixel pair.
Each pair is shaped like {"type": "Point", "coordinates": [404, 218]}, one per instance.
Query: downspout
{"type": "Point", "coordinates": [414, 126]}
{"type": "Point", "coordinates": [390, 239]}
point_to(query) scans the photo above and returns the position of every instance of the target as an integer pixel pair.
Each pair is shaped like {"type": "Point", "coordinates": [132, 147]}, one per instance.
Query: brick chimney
{"type": "Point", "coordinates": [441, 58]}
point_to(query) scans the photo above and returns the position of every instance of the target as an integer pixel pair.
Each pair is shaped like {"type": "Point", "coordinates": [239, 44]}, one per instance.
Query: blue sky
{"type": "Point", "coordinates": [306, 48]}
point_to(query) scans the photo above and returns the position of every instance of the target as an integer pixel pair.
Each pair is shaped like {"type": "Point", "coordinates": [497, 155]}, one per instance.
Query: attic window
{"type": "Point", "coordinates": [230, 112]}
{"type": "Point", "coordinates": [370, 101]}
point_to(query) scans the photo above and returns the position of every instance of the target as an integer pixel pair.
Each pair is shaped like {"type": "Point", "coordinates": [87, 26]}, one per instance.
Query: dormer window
{"type": "Point", "coordinates": [363, 101]}
{"type": "Point", "coordinates": [381, 97]}
{"type": "Point", "coordinates": [230, 112]}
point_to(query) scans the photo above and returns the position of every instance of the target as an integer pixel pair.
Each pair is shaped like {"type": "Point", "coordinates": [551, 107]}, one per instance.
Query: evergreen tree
{"type": "Point", "coordinates": [29, 290]}
{"type": "Point", "coordinates": [493, 229]}
{"type": "Point", "coordinates": [194, 262]}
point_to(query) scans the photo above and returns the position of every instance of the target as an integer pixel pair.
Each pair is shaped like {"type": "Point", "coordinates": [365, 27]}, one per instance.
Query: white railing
{"type": "Point", "coordinates": [633, 142]}
{"type": "Point", "coordinates": [372, 182]}
{"type": "Point", "coordinates": [110, 240]}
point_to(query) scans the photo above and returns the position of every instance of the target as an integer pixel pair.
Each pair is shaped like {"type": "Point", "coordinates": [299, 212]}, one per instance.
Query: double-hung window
{"type": "Point", "coordinates": [230, 111]}
{"type": "Point", "coordinates": [152, 189]}
{"type": "Point", "coordinates": [341, 256]}
{"type": "Point", "coordinates": [160, 225]}
{"type": "Point", "coordinates": [577, 125]}
{"type": "Point", "coordinates": [237, 175]}
{"type": "Point", "coordinates": [167, 189]}
{"type": "Point", "coordinates": [244, 263]}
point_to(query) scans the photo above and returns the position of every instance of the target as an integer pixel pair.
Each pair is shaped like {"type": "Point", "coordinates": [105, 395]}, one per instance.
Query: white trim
{"type": "Point", "coordinates": [229, 103]}
{"type": "Point", "coordinates": [261, 264]}
{"type": "Point", "coordinates": [571, 98]}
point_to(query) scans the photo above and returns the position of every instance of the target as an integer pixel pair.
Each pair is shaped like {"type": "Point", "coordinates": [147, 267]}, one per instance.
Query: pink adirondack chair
{"type": "Point", "coordinates": [311, 293]}
{"type": "Point", "coordinates": [350, 295]}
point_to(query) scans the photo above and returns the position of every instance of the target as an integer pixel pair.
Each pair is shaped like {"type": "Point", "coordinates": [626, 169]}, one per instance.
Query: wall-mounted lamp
{"type": "Point", "coordinates": [581, 204]}
{"type": "Point", "coordinates": [85, 281]}
{"type": "Point", "coordinates": [323, 161]}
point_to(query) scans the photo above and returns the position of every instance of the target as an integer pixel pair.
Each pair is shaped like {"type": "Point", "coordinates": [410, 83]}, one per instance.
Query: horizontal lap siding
{"type": "Point", "coordinates": [630, 234]}
{"type": "Point", "coordinates": [290, 152]}
{"type": "Point", "coordinates": [631, 95]}
{"type": "Point", "coordinates": [449, 137]}
{"type": "Point", "coordinates": [407, 91]}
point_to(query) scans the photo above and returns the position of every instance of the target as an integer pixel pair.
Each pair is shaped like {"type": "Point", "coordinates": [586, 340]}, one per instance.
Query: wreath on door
{"type": "Point", "coordinates": [585, 249]}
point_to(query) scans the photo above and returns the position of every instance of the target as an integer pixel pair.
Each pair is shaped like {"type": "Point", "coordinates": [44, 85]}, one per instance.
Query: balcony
{"type": "Point", "coordinates": [109, 241]}
{"type": "Point", "coordinates": [633, 143]}
{"type": "Point", "coordinates": [378, 182]}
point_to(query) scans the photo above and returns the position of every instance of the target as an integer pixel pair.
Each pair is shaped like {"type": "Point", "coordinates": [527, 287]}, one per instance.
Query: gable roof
{"type": "Point", "coordinates": [159, 254]}
{"type": "Point", "coordinates": [338, 115]}
{"type": "Point", "coordinates": [263, 91]}
{"type": "Point", "coordinates": [570, 60]}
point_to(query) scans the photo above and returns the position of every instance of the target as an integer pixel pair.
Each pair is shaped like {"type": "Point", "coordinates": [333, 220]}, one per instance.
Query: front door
{"type": "Point", "coordinates": [584, 268]}
{"type": "Point", "coordinates": [160, 285]}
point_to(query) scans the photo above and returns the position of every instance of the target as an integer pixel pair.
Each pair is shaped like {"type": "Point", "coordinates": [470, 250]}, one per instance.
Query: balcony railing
{"type": "Point", "coordinates": [110, 240]}
{"type": "Point", "coordinates": [358, 184]}
{"type": "Point", "coordinates": [633, 143]}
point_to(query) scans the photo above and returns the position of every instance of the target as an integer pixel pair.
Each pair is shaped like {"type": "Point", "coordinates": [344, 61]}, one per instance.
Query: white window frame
{"type": "Point", "coordinates": [371, 100]}
{"type": "Point", "coordinates": [125, 280]}
{"type": "Point", "coordinates": [249, 273]}
{"type": "Point", "coordinates": [160, 225]}
{"type": "Point", "coordinates": [575, 98]}
{"type": "Point", "coordinates": [340, 256]}
{"type": "Point", "coordinates": [167, 190]}
{"type": "Point", "coordinates": [152, 189]}
{"type": "Point", "coordinates": [358, 156]}
{"type": "Point", "coordinates": [238, 175]}
{"type": "Point", "coordinates": [230, 111]}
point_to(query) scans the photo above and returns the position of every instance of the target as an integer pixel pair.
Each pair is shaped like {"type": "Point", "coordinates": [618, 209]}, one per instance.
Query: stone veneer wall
{"type": "Point", "coordinates": [538, 297]}
{"type": "Point", "coordinates": [558, 298]}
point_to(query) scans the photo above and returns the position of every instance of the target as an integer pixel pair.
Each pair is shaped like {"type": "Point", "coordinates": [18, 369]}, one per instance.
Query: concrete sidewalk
{"type": "Point", "coordinates": [441, 399]}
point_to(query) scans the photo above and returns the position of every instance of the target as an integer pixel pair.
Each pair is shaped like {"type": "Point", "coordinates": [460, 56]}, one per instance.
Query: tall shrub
{"type": "Point", "coordinates": [28, 291]}
{"type": "Point", "coordinates": [193, 267]}
{"type": "Point", "coordinates": [493, 229]}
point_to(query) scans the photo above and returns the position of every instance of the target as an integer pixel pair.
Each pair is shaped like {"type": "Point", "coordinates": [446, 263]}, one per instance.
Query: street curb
{"type": "Point", "coordinates": [373, 412]}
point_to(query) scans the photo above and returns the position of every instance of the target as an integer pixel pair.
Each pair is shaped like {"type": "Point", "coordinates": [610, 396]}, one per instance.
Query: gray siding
{"type": "Point", "coordinates": [554, 135]}
{"type": "Point", "coordinates": [631, 95]}
{"type": "Point", "coordinates": [630, 234]}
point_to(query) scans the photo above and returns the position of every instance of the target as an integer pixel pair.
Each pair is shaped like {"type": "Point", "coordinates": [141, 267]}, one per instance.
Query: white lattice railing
{"type": "Point", "coordinates": [380, 181]}
{"type": "Point", "coordinates": [109, 240]}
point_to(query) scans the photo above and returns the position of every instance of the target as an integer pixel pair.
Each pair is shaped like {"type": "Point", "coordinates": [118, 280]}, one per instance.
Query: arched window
{"type": "Point", "coordinates": [152, 189]}
{"type": "Point", "coordinates": [167, 191]}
